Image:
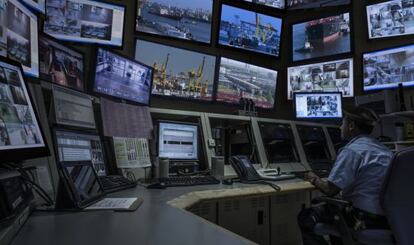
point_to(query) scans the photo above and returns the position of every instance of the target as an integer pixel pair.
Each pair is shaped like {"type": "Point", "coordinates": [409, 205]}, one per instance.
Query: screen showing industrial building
{"type": "Point", "coordinates": [176, 18]}
{"type": "Point", "coordinates": [305, 4]}
{"type": "Point", "coordinates": [242, 80]}
{"type": "Point", "coordinates": [178, 72]}
{"type": "Point", "coordinates": [279, 4]}
{"type": "Point", "coordinates": [321, 37]}
{"type": "Point", "coordinates": [248, 30]}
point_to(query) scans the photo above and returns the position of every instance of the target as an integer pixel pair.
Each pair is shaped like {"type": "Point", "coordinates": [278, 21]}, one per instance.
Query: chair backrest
{"type": "Point", "coordinates": [397, 196]}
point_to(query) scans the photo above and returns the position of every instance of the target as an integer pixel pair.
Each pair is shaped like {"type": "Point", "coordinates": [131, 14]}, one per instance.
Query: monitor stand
{"type": "Point", "coordinates": [183, 167]}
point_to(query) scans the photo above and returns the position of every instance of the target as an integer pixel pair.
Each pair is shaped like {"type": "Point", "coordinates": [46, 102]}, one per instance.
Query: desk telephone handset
{"type": "Point", "coordinates": [244, 168]}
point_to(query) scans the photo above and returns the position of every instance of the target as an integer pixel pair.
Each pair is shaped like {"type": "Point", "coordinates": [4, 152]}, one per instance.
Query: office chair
{"type": "Point", "coordinates": [397, 200]}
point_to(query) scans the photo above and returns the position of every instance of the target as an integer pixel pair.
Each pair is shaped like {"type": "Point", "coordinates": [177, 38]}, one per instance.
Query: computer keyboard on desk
{"type": "Point", "coordinates": [114, 183]}
{"type": "Point", "coordinates": [187, 181]}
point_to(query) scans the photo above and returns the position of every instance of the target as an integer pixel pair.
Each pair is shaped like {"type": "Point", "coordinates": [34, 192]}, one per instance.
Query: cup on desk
{"type": "Point", "coordinates": [217, 167]}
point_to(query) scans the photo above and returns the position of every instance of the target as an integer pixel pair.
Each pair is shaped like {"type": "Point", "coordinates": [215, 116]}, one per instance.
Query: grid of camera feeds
{"type": "Point", "coordinates": [178, 72]}
{"type": "Point", "coordinates": [330, 76]}
{"type": "Point", "coordinates": [321, 37]}
{"type": "Point", "coordinates": [19, 35]}
{"type": "Point", "coordinates": [242, 80]}
{"type": "Point", "coordinates": [391, 18]}
{"type": "Point", "coordinates": [305, 4]}
{"type": "Point", "coordinates": [60, 65]}
{"type": "Point", "coordinates": [38, 5]}
{"type": "Point", "coordinates": [318, 105]}
{"type": "Point", "coordinates": [85, 21]}
{"type": "Point", "coordinates": [176, 18]}
{"type": "Point", "coordinates": [122, 78]}
{"type": "Point", "coordinates": [18, 125]}
{"type": "Point", "coordinates": [389, 68]}
{"type": "Point", "coordinates": [248, 30]}
{"type": "Point", "coordinates": [278, 4]}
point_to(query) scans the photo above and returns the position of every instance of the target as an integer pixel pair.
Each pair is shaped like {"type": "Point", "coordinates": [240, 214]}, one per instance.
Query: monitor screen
{"type": "Point", "coordinates": [76, 146]}
{"type": "Point", "coordinates": [19, 125]}
{"type": "Point", "coordinates": [248, 30]}
{"type": "Point", "coordinates": [278, 4]}
{"type": "Point", "coordinates": [85, 21]}
{"type": "Point", "coordinates": [321, 37]}
{"type": "Point", "coordinates": [123, 78]}
{"type": "Point", "coordinates": [61, 65]}
{"type": "Point", "coordinates": [387, 68]}
{"type": "Point", "coordinates": [390, 18]}
{"type": "Point", "coordinates": [318, 105]}
{"type": "Point", "coordinates": [330, 76]}
{"type": "Point", "coordinates": [178, 141]}
{"type": "Point", "coordinates": [38, 5]}
{"type": "Point", "coordinates": [242, 80]}
{"type": "Point", "coordinates": [73, 108]}
{"type": "Point", "coordinates": [279, 142]}
{"type": "Point", "coordinates": [314, 144]}
{"type": "Point", "coordinates": [177, 72]}
{"type": "Point", "coordinates": [19, 35]}
{"type": "Point", "coordinates": [305, 4]}
{"type": "Point", "coordinates": [336, 138]}
{"type": "Point", "coordinates": [177, 18]}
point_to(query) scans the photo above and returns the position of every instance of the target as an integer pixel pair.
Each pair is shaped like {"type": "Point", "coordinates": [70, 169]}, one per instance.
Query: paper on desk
{"type": "Point", "coordinates": [113, 204]}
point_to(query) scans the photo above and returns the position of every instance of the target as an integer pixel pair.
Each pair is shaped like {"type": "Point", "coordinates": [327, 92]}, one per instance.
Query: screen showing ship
{"type": "Point", "coordinates": [244, 29]}
{"type": "Point", "coordinates": [321, 37]}
{"type": "Point", "coordinates": [278, 4]}
{"type": "Point", "coordinates": [305, 4]}
{"type": "Point", "coordinates": [178, 72]}
{"type": "Point", "coordinates": [176, 18]}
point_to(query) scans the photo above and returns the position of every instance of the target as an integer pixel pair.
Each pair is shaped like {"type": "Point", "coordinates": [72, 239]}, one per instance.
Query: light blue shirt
{"type": "Point", "coordinates": [359, 171]}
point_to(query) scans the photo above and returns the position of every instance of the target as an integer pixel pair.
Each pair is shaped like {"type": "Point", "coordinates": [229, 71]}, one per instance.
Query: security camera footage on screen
{"type": "Point", "coordinates": [122, 78]}
{"type": "Point", "coordinates": [388, 68]}
{"type": "Point", "coordinates": [331, 76]}
{"type": "Point", "coordinates": [242, 80]}
{"type": "Point", "coordinates": [85, 21]}
{"type": "Point", "coordinates": [39, 5]}
{"type": "Point", "coordinates": [19, 35]}
{"type": "Point", "coordinates": [178, 141]}
{"type": "Point", "coordinates": [304, 4]}
{"type": "Point", "coordinates": [18, 125]}
{"type": "Point", "coordinates": [176, 18]}
{"type": "Point", "coordinates": [178, 72]}
{"type": "Point", "coordinates": [321, 37]}
{"type": "Point", "coordinates": [391, 18]}
{"type": "Point", "coordinates": [316, 105]}
{"type": "Point", "coordinates": [248, 30]}
{"type": "Point", "coordinates": [279, 4]}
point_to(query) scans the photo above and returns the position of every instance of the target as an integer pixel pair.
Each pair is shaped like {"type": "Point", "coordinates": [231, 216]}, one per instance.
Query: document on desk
{"type": "Point", "coordinates": [118, 204]}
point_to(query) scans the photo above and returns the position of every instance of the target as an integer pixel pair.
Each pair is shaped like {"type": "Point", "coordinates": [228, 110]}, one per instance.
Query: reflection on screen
{"type": "Point", "coordinates": [85, 181]}
{"type": "Point", "coordinates": [314, 143]}
{"type": "Point", "coordinates": [178, 141]}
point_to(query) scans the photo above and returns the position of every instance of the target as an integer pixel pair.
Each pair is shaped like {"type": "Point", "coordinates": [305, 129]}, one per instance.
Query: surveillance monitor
{"type": "Point", "coordinates": [318, 105]}
{"type": "Point", "coordinates": [178, 141]}
{"type": "Point", "coordinates": [277, 4]}
{"type": "Point", "coordinates": [315, 146]}
{"type": "Point", "coordinates": [306, 4]}
{"type": "Point", "coordinates": [38, 5]}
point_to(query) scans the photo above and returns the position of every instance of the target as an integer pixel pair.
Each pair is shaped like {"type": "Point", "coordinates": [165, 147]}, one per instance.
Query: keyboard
{"type": "Point", "coordinates": [114, 183]}
{"type": "Point", "coordinates": [187, 181]}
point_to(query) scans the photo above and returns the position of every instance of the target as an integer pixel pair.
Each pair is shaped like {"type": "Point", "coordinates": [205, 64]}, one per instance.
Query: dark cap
{"type": "Point", "coordinates": [362, 116]}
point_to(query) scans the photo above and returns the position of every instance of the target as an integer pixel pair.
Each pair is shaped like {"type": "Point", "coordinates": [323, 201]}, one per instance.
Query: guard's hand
{"type": "Point", "coordinates": [311, 177]}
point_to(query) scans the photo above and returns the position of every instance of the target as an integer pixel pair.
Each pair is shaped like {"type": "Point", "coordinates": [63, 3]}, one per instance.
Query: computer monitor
{"type": "Point", "coordinates": [85, 21]}
{"type": "Point", "coordinates": [250, 31]}
{"type": "Point", "coordinates": [318, 105]}
{"type": "Point", "coordinates": [38, 5]}
{"type": "Point", "coordinates": [390, 18]}
{"type": "Point", "coordinates": [178, 141]}
{"type": "Point", "coordinates": [321, 37]}
{"type": "Point", "coordinates": [315, 145]}
{"type": "Point", "coordinates": [243, 80]}
{"type": "Point", "coordinates": [336, 138]}
{"type": "Point", "coordinates": [277, 4]}
{"type": "Point", "coordinates": [120, 77]}
{"type": "Point", "coordinates": [329, 76]}
{"type": "Point", "coordinates": [19, 36]}
{"type": "Point", "coordinates": [75, 146]}
{"type": "Point", "coordinates": [176, 19]}
{"type": "Point", "coordinates": [279, 142]}
{"type": "Point", "coordinates": [306, 4]}
{"type": "Point", "coordinates": [21, 136]}
{"type": "Point", "coordinates": [386, 69]}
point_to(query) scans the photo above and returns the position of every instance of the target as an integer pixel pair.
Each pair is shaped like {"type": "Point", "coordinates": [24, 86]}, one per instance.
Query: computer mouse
{"type": "Point", "coordinates": [227, 181]}
{"type": "Point", "coordinates": [158, 185]}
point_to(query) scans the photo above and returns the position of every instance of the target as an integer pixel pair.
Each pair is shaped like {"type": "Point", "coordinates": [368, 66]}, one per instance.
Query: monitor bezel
{"type": "Point", "coordinates": [270, 8]}
{"type": "Point", "coordinates": [350, 4]}
{"type": "Point", "coordinates": [92, 78]}
{"type": "Point", "coordinates": [20, 154]}
{"type": "Point", "coordinates": [335, 119]}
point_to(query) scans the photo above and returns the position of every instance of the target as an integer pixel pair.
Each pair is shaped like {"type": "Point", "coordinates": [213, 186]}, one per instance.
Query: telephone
{"type": "Point", "coordinates": [244, 168]}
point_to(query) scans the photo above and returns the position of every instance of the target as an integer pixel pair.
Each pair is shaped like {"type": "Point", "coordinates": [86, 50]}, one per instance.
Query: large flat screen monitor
{"type": "Point", "coordinates": [123, 78]}
{"type": "Point", "coordinates": [19, 36]}
{"type": "Point", "coordinates": [178, 72]}
{"type": "Point", "coordinates": [38, 5]}
{"type": "Point", "coordinates": [85, 21]}
{"type": "Point", "coordinates": [306, 4]}
{"type": "Point", "coordinates": [177, 18]}
{"type": "Point", "coordinates": [60, 64]}
{"type": "Point", "coordinates": [315, 146]}
{"type": "Point", "coordinates": [178, 141]}
{"type": "Point", "coordinates": [390, 18]}
{"type": "Point", "coordinates": [249, 30]}
{"type": "Point", "coordinates": [330, 76]}
{"type": "Point", "coordinates": [318, 105]}
{"type": "Point", "coordinates": [321, 37]}
{"type": "Point", "coordinates": [386, 69]}
{"type": "Point", "coordinates": [277, 4]}
{"type": "Point", "coordinates": [20, 133]}
{"type": "Point", "coordinates": [242, 80]}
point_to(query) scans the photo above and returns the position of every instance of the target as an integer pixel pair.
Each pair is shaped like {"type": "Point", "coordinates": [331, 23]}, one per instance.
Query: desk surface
{"type": "Point", "coordinates": [160, 219]}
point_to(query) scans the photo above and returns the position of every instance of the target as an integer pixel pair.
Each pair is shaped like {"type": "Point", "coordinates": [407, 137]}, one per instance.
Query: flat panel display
{"type": "Point", "coordinates": [38, 5]}
{"type": "Point", "coordinates": [306, 4]}
{"type": "Point", "coordinates": [176, 18]}
{"type": "Point", "coordinates": [330, 76]}
{"type": "Point", "coordinates": [85, 21]}
{"type": "Point", "coordinates": [242, 80]}
{"type": "Point", "coordinates": [278, 4]}
{"type": "Point", "coordinates": [318, 105]}
{"type": "Point", "coordinates": [249, 30]}
{"type": "Point", "coordinates": [178, 141]}
{"type": "Point", "coordinates": [177, 72]}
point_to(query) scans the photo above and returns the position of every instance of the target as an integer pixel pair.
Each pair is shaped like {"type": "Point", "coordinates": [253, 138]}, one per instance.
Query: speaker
{"type": "Point", "coordinates": [217, 167]}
